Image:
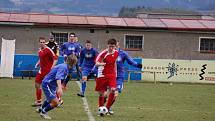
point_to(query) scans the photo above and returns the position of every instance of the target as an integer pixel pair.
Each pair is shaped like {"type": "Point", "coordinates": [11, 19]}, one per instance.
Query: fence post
{"type": "Point", "coordinates": [154, 77]}
{"type": "Point", "coordinates": [129, 76]}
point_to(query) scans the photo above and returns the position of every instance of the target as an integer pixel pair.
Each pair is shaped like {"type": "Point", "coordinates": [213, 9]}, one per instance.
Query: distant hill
{"type": "Point", "coordinates": [133, 12]}
{"type": "Point", "coordinates": [99, 7]}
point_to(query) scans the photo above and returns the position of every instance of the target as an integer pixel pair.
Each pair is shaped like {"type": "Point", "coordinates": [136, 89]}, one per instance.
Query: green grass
{"type": "Point", "coordinates": [138, 102]}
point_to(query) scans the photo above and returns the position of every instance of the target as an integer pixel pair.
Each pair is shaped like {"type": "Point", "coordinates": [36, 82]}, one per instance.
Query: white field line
{"type": "Point", "coordinates": [86, 106]}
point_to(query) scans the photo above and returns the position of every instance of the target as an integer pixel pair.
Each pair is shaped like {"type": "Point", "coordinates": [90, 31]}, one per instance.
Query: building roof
{"type": "Point", "coordinates": [104, 21]}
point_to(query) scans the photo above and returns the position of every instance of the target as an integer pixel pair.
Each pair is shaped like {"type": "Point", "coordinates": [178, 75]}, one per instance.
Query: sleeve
{"type": "Point", "coordinates": [100, 56]}
{"type": "Point", "coordinates": [52, 54]}
{"type": "Point", "coordinates": [62, 48]}
{"type": "Point", "coordinates": [130, 60]}
{"type": "Point", "coordinates": [81, 58]}
{"type": "Point", "coordinates": [60, 74]}
{"type": "Point", "coordinates": [57, 51]}
{"type": "Point", "coordinates": [77, 49]}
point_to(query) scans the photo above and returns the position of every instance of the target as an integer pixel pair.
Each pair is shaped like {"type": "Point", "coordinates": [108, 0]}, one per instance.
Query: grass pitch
{"type": "Point", "coordinates": [138, 102]}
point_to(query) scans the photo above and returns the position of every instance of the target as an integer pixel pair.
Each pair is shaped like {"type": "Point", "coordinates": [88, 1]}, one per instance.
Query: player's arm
{"type": "Point", "coordinates": [57, 50]}
{"type": "Point", "coordinates": [60, 76]}
{"type": "Point", "coordinates": [59, 89]}
{"type": "Point", "coordinates": [55, 62]}
{"type": "Point", "coordinates": [100, 58]}
{"type": "Point", "coordinates": [131, 61]}
{"type": "Point", "coordinates": [37, 64]}
{"type": "Point", "coordinates": [62, 48]}
{"type": "Point", "coordinates": [54, 57]}
{"type": "Point", "coordinates": [81, 58]}
{"type": "Point", "coordinates": [77, 50]}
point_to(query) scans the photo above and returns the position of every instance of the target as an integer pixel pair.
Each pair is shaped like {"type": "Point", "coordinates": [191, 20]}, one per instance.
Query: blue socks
{"type": "Point", "coordinates": [45, 103]}
{"type": "Point", "coordinates": [83, 86]}
{"type": "Point", "coordinates": [46, 107]}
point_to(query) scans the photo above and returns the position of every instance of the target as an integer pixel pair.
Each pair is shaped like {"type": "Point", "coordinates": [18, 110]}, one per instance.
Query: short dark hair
{"type": "Point", "coordinates": [87, 41]}
{"type": "Point", "coordinates": [42, 38]}
{"type": "Point", "coordinates": [112, 41]}
{"type": "Point", "coordinates": [72, 34]}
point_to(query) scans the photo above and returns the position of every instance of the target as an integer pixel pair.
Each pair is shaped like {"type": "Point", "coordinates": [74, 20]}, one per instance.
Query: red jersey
{"type": "Point", "coordinates": [47, 57]}
{"type": "Point", "coordinates": [109, 69]}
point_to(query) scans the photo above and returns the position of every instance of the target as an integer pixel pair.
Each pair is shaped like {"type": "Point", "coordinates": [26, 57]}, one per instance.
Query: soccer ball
{"type": "Point", "coordinates": [102, 110]}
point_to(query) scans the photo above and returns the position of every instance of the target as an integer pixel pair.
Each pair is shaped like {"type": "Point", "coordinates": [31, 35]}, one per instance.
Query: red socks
{"type": "Point", "coordinates": [101, 101]}
{"type": "Point", "coordinates": [110, 100]}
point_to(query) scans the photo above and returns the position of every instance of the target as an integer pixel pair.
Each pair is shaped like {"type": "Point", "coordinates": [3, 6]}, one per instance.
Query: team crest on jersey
{"type": "Point", "coordinates": [88, 55]}
{"type": "Point", "coordinates": [71, 48]}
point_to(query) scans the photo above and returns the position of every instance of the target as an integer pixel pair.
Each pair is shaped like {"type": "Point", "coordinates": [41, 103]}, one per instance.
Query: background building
{"type": "Point", "coordinates": [148, 38]}
{"type": "Point", "coordinates": [158, 38]}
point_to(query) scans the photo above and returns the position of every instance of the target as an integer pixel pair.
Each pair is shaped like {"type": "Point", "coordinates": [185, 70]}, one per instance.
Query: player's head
{"type": "Point", "coordinates": [88, 44]}
{"type": "Point", "coordinates": [42, 42]}
{"type": "Point", "coordinates": [111, 44]}
{"type": "Point", "coordinates": [71, 60]}
{"type": "Point", "coordinates": [51, 37]}
{"type": "Point", "coordinates": [72, 37]}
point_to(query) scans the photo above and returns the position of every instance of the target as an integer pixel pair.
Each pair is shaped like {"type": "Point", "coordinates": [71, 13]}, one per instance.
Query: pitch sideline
{"type": "Point", "coordinates": [86, 106]}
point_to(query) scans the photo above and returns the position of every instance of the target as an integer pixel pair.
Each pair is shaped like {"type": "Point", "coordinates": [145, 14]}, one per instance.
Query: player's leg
{"type": "Point", "coordinates": [100, 88]}
{"type": "Point", "coordinates": [118, 91]}
{"type": "Point", "coordinates": [85, 73]}
{"type": "Point", "coordinates": [83, 86]}
{"type": "Point", "coordinates": [111, 96]}
{"type": "Point", "coordinates": [51, 101]}
{"type": "Point", "coordinates": [78, 72]}
{"type": "Point", "coordinates": [38, 88]}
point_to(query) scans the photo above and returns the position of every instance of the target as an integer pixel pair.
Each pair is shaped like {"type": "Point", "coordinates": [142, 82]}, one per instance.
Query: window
{"type": "Point", "coordinates": [133, 42]}
{"type": "Point", "coordinates": [60, 38]}
{"type": "Point", "coordinates": [207, 45]}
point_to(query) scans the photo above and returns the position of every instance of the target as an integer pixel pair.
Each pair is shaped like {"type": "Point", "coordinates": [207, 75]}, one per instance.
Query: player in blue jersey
{"type": "Point", "coordinates": [79, 48]}
{"type": "Point", "coordinates": [69, 48]}
{"type": "Point", "coordinates": [52, 84]}
{"type": "Point", "coordinates": [123, 56]}
{"type": "Point", "coordinates": [86, 64]}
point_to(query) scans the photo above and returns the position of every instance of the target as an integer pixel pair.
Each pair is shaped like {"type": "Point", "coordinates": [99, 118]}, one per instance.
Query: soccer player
{"type": "Point", "coordinates": [55, 48]}
{"type": "Point", "coordinates": [52, 44]}
{"type": "Point", "coordinates": [86, 64]}
{"type": "Point", "coordinates": [69, 48]}
{"type": "Point", "coordinates": [106, 62]}
{"type": "Point", "coordinates": [52, 84]}
{"type": "Point", "coordinates": [47, 60]}
{"type": "Point", "coordinates": [79, 48]}
{"type": "Point", "coordinates": [123, 56]}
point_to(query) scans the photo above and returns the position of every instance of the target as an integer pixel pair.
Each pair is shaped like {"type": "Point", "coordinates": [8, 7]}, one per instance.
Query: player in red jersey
{"type": "Point", "coordinates": [47, 60]}
{"type": "Point", "coordinates": [106, 78]}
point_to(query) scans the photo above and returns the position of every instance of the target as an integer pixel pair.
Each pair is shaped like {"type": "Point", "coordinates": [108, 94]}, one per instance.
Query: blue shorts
{"type": "Point", "coordinates": [49, 91]}
{"type": "Point", "coordinates": [86, 71]}
{"type": "Point", "coordinates": [119, 83]}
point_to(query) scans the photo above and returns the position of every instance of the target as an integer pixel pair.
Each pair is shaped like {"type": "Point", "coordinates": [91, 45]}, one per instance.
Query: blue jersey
{"type": "Point", "coordinates": [87, 58]}
{"type": "Point", "coordinates": [69, 48]}
{"type": "Point", "coordinates": [79, 47]}
{"type": "Point", "coordinates": [59, 72]}
{"type": "Point", "coordinates": [123, 56]}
